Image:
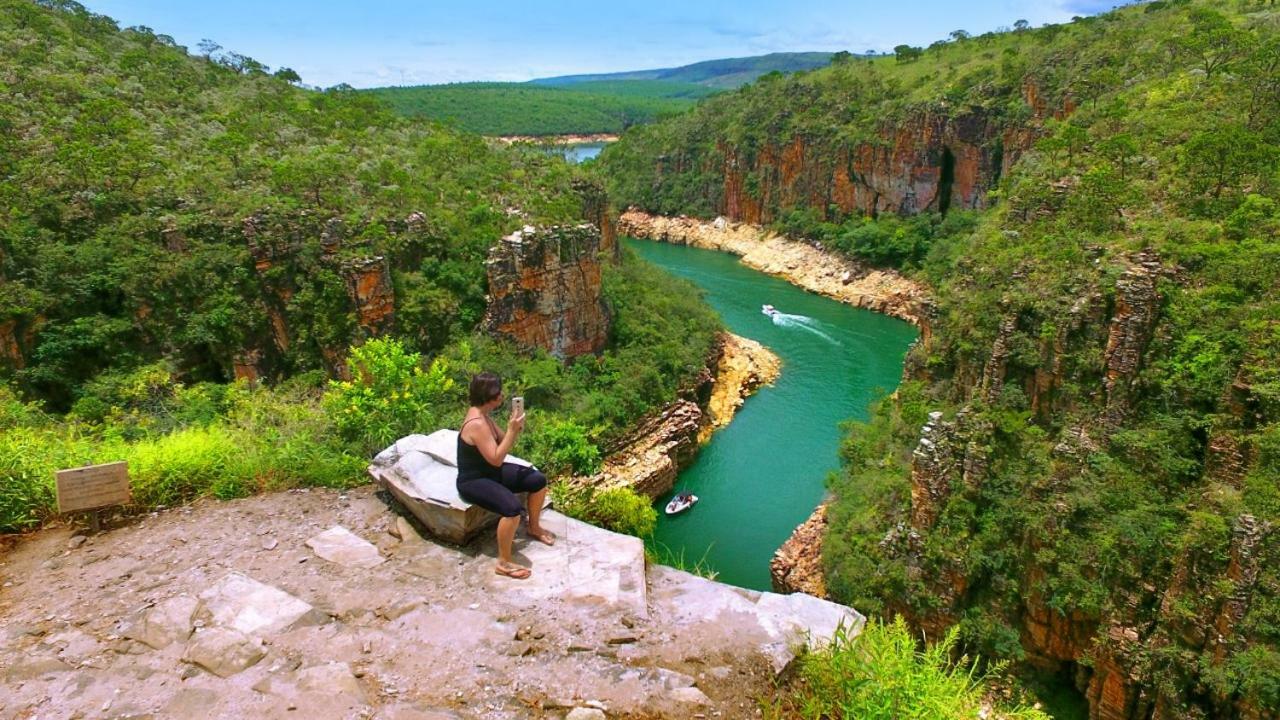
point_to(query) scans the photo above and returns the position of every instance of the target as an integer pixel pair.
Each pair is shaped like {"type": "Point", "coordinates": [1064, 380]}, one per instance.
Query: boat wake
{"type": "Point", "coordinates": [803, 322]}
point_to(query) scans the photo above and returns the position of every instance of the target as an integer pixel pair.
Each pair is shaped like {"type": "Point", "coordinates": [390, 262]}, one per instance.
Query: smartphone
{"type": "Point", "coordinates": [517, 406]}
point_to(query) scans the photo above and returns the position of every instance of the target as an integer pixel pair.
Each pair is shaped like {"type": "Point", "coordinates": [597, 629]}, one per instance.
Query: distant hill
{"type": "Point", "coordinates": [577, 104]}
{"type": "Point", "coordinates": [723, 74]}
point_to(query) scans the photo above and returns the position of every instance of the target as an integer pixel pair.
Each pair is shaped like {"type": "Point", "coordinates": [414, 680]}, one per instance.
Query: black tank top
{"type": "Point", "coordinates": [471, 464]}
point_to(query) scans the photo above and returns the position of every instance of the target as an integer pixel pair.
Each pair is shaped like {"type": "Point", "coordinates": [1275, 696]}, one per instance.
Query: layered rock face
{"type": "Point", "coordinates": [933, 160]}
{"type": "Point", "coordinates": [799, 263]}
{"type": "Point", "coordinates": [545, 290]}
{"type": "Point", "coordinates": [797, 565]}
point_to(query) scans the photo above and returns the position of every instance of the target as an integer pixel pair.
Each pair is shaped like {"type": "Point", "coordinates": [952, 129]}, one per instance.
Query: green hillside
{"type": "Point", "coordinates": [1105, 485]}
{"type": "Point", "coordinates": [725, 74]}
{"type": "Point", "coordinates": [168, 221]}
{"type": "Point", "coordinates": [525, 109]}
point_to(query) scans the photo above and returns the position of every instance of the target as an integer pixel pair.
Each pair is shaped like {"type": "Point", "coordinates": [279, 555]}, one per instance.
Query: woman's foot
{"type": "Point", "coordinates": [546, 537]}
{"type": "Point", "coordinates": [514, 572]}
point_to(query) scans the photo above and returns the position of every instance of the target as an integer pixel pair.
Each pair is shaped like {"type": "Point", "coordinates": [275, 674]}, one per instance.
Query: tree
{"type": "Point", "coordinates": [907, 53]}
{"type": "Point", "coordinates": [288, 75]}
{"type": "Point", "coordinates": [208, 48]}
{"type": "Point", "coordinates": [841, 58]}
{"type": "Point", "coordinates": [936, 48]}
{"type": "Point", "coordinates": [1021, 25]}
{"type": "Point", "coordinates": [1220, 159]}
{"type": "Point", "coordinates": [1214, 42]}
{"type": "Point", "coordinates": [959, 35]}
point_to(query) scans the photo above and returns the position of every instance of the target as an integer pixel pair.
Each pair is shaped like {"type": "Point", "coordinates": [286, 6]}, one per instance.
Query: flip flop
{"type": "Point", "coordinates": [515, 573]}
{"type": "Point", "coordinates": [546, 537]}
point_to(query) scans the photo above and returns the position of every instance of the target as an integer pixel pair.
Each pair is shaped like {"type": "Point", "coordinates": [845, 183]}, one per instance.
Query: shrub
{"type": "Point", "coordinates": [881, 673]}
{"type": "Point", "coordinates": [620, 509]}
{"type": "Point", "coordinates": [188, 463]}
{"type": "Point", "coordinates": [389, 395]}
{"type": "Point", "coordinates": [562, 447]}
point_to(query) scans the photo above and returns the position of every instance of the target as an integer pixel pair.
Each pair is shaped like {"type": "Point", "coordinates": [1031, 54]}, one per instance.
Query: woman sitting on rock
{"type": "Point", "coordinates": [485, 479]}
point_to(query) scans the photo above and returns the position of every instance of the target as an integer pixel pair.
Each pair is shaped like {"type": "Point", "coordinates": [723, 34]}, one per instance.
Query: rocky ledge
{"type": "Point", "coordinates": [330, 605]}
{"type": "Point", "coordinates": [799, 263]}
{"type": "Point", "coordinates": [797, 565]}
{"type": "Point", "coordinates": [651, 456]}
{"type": "Point", "coordinates": [744, 366]}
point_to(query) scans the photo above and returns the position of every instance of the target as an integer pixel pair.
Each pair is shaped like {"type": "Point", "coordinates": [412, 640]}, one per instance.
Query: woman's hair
{"type": "Point", "coordinates": [485, 387]}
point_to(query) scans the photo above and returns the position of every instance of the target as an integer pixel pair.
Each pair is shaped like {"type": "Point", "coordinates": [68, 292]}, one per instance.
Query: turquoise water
{"type": "Point", "coordinates": [577, 152]}
{"type": "Point", "coordinates": [763, 475]}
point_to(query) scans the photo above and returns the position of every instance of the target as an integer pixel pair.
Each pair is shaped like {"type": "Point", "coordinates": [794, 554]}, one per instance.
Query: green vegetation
{"type": "Point", "coordinates": [724, 74]}
{"type": "Point", "coordinates": [526, 109]}
{"type": "Point", "coordinates": [1109, 497]}
{"type": "Point", "coordinates": [171, 221]}
{"type": "Point", "coordinates": [881, 674]}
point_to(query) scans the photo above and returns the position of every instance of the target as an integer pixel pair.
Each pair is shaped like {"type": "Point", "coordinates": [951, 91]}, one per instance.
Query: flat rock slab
{"type": "Point", "coordinates": [223, 651]}
{"type": "Point", "coordinates": [340, 545]}
{"type": "Point", "coordinates": [241, 603]}
{"type": "Point", "coordinates": [167, 622]}
{"type": "Point", "coordinates": [778, 625]}
{"type": "Point", "coordinates": [586, 563]}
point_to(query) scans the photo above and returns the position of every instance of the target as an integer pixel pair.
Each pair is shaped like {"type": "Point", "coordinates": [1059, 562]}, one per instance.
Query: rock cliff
{"type": "Point", "coordinates": [545, 290]}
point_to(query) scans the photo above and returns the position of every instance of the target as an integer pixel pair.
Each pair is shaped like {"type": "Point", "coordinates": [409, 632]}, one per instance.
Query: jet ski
{"type": "Point", "coordinates": [769, 310]}
{"type": "Point", "coordinates": [681, 502]}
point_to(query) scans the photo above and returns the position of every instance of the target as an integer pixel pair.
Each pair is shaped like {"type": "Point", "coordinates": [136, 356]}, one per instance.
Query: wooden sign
{"type": "Point", "coordinates": [93, 487]}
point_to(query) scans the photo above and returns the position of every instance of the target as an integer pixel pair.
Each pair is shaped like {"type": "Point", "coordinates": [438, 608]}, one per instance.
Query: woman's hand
{"type": "Point", "coordinates": [516, 423]}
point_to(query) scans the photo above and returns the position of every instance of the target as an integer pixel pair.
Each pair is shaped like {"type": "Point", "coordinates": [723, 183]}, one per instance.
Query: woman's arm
{"type": "Point", "coordinates": [493, 450]}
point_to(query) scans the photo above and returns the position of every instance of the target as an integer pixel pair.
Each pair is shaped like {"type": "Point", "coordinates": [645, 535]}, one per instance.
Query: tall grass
{"type": "Point", "coordinates": [882, 674]}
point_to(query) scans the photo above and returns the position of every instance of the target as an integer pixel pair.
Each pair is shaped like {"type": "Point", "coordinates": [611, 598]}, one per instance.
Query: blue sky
{"type": "Point", "coordinates": [402, 42]}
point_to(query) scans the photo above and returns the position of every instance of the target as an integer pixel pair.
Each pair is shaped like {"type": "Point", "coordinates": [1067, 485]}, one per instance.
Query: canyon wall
{"type": "Point", "coordinates": [545, 290]}
{"type": "Point", "coordinates": [934, 159]}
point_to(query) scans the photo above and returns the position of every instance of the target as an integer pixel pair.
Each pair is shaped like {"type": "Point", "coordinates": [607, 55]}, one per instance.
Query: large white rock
{"type": "Point", "coordinates": [223, 651]}
{"type": "Point", "coordinates": [586, 563]}
{"type": "Point", "coordinates": [340, 545]}
{"type": "Point", "coordinates": [778, 625]}
{"type": "Point", "coordinates": [244, 604]}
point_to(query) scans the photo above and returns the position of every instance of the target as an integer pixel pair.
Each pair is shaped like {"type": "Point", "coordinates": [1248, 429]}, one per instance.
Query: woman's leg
{"type": "Point", "coordinates": [506, 534]}
{"type": "Point", "coordinates": [519, 478]}
{"type": "Point", "coordinates": [495, 497]}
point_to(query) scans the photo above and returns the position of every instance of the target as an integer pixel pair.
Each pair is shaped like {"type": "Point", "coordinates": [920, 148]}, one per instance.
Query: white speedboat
{"type": "Point", "coordinates": [769, 310]}
{"type": "Point", "coordinates": [681, 502]}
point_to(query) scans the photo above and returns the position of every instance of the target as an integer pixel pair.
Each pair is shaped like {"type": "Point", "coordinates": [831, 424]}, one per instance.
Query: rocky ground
{"type": "Point", "coordinates": [232, 610]}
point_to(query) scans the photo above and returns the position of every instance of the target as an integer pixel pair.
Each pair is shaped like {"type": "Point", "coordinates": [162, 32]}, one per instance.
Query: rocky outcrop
{"type": "Point", "coordinates": [801, 264]}
{"type": "Point", "coordinates": [545, 290]}
{"type": "Point", "coordinates": [742, 367]}
{"type": "Point", "coordinates": [1137, 304]}
{"type": "Point", "coordinates": [933, 466]}
{"type": "Point", "coordinates": [649, 458]}
{"type": "Point", "coordinates": [368, 282]}
{"type": "Point", "coordinates": [797, 565]}
{"type": "Point", "coordinates": [935, 158]}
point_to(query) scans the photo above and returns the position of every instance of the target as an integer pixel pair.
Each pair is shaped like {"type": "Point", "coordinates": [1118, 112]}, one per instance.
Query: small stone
{"type": "Point", "coordinates": [690, 695]}
{"type": "Point", "coordinates": [270, 544]}
{"type": "Point", "coordinates": [628, 622]}
{"type": "Point", "coordinates": [585, 713]}
{"type": "Point", "coordinates": [76, 541]}
{"type": "Point", "coordinates": [622, 640]}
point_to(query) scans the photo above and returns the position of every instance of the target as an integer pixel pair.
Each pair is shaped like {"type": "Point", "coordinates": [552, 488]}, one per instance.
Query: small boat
{"type": "Point", "coordinates": [681, 502]}
{"type": "Point", "coordinates": [769, 310]}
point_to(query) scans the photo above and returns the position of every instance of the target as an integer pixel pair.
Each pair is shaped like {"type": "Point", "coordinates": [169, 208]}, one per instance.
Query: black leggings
{"type": "Point", "coordinates": [499, 495]}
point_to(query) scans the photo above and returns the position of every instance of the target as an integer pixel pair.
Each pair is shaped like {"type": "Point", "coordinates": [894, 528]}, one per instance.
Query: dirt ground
{"type": "Point", "coordinates": [431, 632]}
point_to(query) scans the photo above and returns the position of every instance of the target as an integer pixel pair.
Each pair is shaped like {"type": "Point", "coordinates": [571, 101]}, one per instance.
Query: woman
{"type": "Point", "coordinates": [485, 479]}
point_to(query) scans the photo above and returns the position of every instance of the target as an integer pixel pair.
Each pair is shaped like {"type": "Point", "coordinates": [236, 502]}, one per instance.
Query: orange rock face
{"type": "Point", "coordinates": [545, 290]}
{"type": "Point", "coordinates": [369, 286]}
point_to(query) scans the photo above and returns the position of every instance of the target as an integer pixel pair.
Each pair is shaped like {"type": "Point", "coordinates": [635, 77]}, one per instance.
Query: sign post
{"type": "Point", "coordinates": [91, 488]}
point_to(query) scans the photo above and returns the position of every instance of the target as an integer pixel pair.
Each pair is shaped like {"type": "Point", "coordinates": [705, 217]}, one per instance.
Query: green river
{"type": "Point", "coordinates": [763, 475]}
